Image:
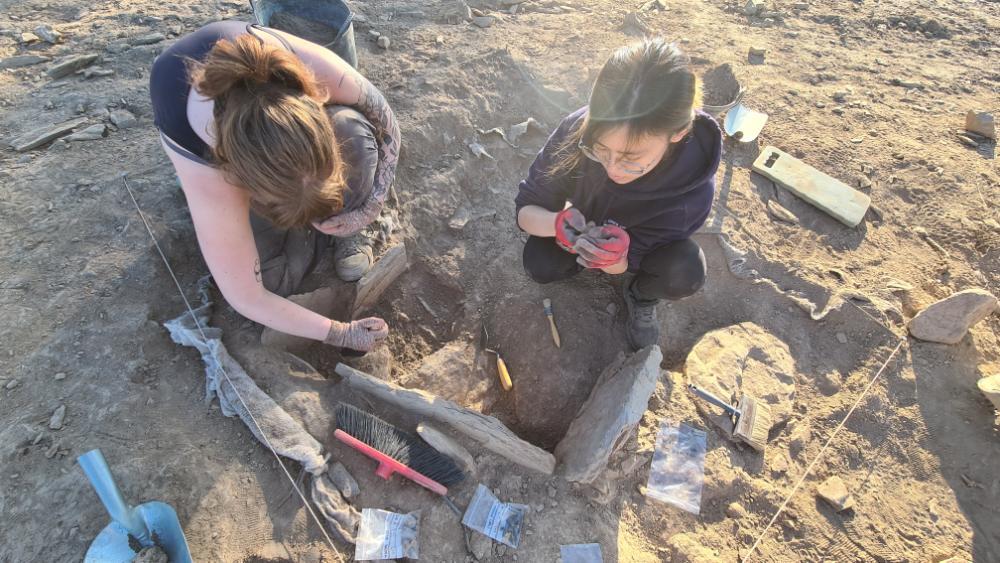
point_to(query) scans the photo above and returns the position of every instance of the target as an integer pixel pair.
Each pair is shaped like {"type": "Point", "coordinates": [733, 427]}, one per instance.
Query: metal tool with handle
{"type": "Point", "coordinates": [730, 409]}
{"type": "Point", "coordinates": [150, 523]}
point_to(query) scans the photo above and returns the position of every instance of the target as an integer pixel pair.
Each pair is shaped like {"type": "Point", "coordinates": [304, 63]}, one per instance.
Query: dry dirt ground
{"type": "Point", "coordinates": [870, 91]}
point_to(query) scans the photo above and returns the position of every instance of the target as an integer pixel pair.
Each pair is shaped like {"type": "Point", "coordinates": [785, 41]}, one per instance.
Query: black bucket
{"type": "Point", "coordinates": [325, 22]}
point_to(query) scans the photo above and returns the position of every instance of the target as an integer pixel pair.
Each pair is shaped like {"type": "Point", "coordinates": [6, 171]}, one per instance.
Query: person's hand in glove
{"type": "Point", "coordinates": [602, 247]}
{"type": "Point", "coordinates": [360, 335]}
{"type": "Point", "coordinates": [570, 224]}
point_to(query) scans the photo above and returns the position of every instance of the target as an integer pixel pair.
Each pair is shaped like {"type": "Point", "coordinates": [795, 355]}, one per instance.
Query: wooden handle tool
{"type": "Point", "coordinates": [547, 304]}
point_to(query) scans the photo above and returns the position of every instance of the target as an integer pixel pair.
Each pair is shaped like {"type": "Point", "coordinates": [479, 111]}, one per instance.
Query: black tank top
{"type": "Point", "coordinates": [170, 84]}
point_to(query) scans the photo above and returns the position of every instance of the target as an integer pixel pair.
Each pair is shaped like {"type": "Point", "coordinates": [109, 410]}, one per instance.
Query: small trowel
{"type": "Point", "coordinates": [504, 375]}
{"type": "Point", "coordinates": [131, 528]}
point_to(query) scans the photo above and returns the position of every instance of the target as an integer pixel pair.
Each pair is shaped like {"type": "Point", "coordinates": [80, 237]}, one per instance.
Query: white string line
{"type": "Point", "coordinates": [260, 431]}
{"type": "Point", "coordinates": [822, 451]}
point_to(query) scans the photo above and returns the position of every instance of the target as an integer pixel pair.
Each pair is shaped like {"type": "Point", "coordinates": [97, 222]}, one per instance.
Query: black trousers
{"type": "Point", "coordinates": [672, 271]}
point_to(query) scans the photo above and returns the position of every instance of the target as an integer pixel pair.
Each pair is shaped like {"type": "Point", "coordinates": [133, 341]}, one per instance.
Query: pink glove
{"type": "Point", "coordinates": [570, 224]}
{"type": "Point", "coordinates": [602, 247]}
{"type": "Point", "coordinates": [361, 335]}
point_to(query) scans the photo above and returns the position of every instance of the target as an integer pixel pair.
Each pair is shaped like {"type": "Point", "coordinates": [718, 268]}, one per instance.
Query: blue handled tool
{"type": "Point", "coordinates": [151, 523]}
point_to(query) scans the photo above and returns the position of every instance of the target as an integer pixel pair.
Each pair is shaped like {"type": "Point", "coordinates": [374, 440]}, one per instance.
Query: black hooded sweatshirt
{"type": "Point", "coordinates": [668, 203]}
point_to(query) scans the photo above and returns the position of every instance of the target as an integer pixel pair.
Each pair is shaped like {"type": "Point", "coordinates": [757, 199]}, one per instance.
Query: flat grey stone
{"type": "Point", "coordinates": [92, 133]}
{"type": "Point", "coordinates": [123, 119]}
{"type": "Point", "coordinates": [949, 319]}
{"type": "Point", "coordinates": [19, 61]}
{"type": "Point", "coordinates": [39, 137]}
{"type": "Point", "coordinates": [613, 409]}
{"type": "Point", "coordinates": [68, 66]}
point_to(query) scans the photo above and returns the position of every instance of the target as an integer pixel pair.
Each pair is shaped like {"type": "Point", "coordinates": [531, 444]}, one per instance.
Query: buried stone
{"type": "Point", "coordinates": [738, 359]}
{"type": "Point", "coordinates": [613, 410]}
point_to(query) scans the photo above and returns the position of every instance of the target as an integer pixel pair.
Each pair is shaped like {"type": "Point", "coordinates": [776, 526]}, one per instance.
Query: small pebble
{"type": "Point", "coordinates": [11, 384]}
{"type": "Point", "coordinates": [58, 416]}
{"type": "Point", "coordinates": [60, 376]}
{"type": "Point", "coordinates": [857, 140]}
{"type": "Point", "coordinates": [383, 41]}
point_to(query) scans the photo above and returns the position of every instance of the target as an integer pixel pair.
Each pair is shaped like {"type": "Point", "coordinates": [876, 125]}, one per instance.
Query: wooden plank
{"type": "Point", "coordinates": [841, 201]}
{"type": "Point", "coordinates": [379, 278]}
{"type": "Point", "coordinates": [488, 431]}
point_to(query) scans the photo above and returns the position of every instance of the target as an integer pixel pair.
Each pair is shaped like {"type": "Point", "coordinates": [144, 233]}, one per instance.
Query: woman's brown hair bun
{"type": "Point", "coordinates": [249, 63]}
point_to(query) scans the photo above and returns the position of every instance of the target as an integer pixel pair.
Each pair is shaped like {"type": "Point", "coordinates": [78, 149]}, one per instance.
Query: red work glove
{"type": "Point", "coordinates": [570, 224]}
{"type": "Point", "coordinates": [602, 247]}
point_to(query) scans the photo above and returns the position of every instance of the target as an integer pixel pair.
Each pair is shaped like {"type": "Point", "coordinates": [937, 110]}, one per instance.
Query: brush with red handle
{"type": "Point", "coordinates": [397, 451]}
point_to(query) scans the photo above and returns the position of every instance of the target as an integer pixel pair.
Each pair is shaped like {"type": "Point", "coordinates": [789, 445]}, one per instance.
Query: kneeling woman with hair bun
{"type": "Point", "coordinates": [281, 147]}
{"type": "Point", "coordinates": [622, 184]}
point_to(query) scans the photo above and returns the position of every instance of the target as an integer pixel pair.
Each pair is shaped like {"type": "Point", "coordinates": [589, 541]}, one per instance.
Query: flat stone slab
{"type": "Point", "coordinates": [835, 492]}
{"type": "Point", "coordinates": [612, 411]}
{"type": "Point", "coordinates": [949, 319]}
{"type": "Point", "coordinates": [38, 137]}
{"type": "Point", "coordinates": [68, 66]}
{"type": "Point", "coordinates": [379, 278]}
{"type": "Point", "coordinates": [454, 373]}
{"type": "Point", "coordinates": [18, 61]}
{"type": "Point", "coordinates": [990, 386]}
{"type": "Point", "coordinates": [742, 358]}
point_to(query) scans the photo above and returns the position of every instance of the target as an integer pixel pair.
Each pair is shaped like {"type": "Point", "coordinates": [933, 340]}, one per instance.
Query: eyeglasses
{"type": "Point", "coordinates": [604, 157]}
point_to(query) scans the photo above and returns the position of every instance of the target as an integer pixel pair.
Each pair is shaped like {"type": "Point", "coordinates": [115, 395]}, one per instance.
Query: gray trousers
{"type": "Point", "coordinates": [287, 256]}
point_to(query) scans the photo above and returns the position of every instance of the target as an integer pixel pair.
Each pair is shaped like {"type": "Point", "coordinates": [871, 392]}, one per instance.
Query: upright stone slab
{"type": "Point", "coordinates": [613, 409]}
{"type": "Point", "coordinates": [379, 278]}
{"type": "Point", "coordinates": [949, 319]}
{"type": "Point", "coordinates": [742, 358]}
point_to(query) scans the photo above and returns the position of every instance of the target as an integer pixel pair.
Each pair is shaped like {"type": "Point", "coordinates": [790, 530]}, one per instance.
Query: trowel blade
{"type": "Point", "coordinates": [112, 544]}
{"type": "Point", "coordinates": [744, 124]}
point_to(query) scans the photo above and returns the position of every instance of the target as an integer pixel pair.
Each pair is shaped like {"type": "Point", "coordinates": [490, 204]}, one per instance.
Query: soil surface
{"type": "Point", "coordinates": [871, 92]}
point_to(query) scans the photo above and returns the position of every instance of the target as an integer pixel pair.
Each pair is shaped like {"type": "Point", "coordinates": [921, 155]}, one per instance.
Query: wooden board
{"type": "Point", "coordinates": [841, 201]}
{"type": "Point", "coordinates": [488, 431]}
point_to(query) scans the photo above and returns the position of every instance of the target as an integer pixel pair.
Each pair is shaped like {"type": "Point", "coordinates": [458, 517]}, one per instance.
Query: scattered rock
{"type": "Point", "coordinates": [19, 61]}
{"type": "Point", "coordinates": [779, 212]}
{"type": "Point", "coordinates": [60, 376]}
{"type": "Point", "coordinates": [39, 137]}
{"type": "Point", "coordinates": [685, 548]}
{"type": "Point", "coordinates": [480, 151]}
{"type": "Point", "coordinates": [123, 119]}
{"type": "Point", "coordinates": [92, 133]}
{"type": "Point", "coordinates": [798, 439]}
{"type": "Point", "coordinates": [520, 129]}
{"type": "Point", "coordinates": [445, 445]}
{"type": "Point", "coordinates": [755, 55]}
{"type": "Point", "coordinates": [343, 480]}
{"type": "Point", "coordinates": [385, 271]}
{"type": "Point", "coordinates": [840, 96]}
{"type": "Point", "coordinates": [968, 141]}
{"type": "Point", "coordinates": [742, 358]}
{"type": "Point", "coordinates": [68, 66]}
{"type": "Point", "coordinates": [949, 319]}
{"type": "Point", "coordinates": [452, 373]}
{"type": "Point", "coordinates": [753, 7]}
{"type": "Point", "coordinates": [613, 409]}
{"type": "Point", "coordinates": [479, 545]}
{"type": "Point", "coordinates": [828, 384]}
{"type": "Point", "coordinates": [835, 492]}
{"type": "Point", "coordinates": [28, 38]}
{"type": "Point", "coordinates": [148, 39]}
{"type": "Point", "coordinates": [47, 34]}
{"type": "Point", "coordinates": [779, 464]}
{"type": "Point", "coordinates": [736, 511]}
{"type": "Point", "coordinates": [58, 416]}
{"type": "Point", "coordinates": [990, 386]}
{"type": "Point", "coordinates": [842, 338]}
{"type": "Point", "coordinates": [483, 21]}
{"type": "Point", "coordinates": [151, 555]}
{"type": "Point", "coordinates": [383, 41]}
{"type": "Point", "coordinates": [95, 72]}
{"type": "Point", "coordinates": [634, 24]}
{"type": "Point", "coordinates": [982, 123]}
{"type": "Point", "coordinates": [11, 384]}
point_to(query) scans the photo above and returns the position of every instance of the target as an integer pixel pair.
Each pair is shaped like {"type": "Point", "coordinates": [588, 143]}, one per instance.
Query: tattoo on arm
{"type": "Point", "coordinates": [373, 105]}
{"type": "Point", "coordinates": [256, 270]}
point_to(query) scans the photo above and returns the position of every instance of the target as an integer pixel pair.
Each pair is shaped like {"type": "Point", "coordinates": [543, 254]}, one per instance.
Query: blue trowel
{"type": "Point", "coordinates": [131, 528]}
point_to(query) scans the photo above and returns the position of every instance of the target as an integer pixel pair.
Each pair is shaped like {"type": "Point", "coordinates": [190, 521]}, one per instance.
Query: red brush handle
{"type": "Point", "coordinates": [387, 466]}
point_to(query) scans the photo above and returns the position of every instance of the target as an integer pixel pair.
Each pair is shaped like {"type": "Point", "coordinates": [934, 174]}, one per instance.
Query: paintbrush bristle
{"type": "Point", "coordinates": [754, 422]}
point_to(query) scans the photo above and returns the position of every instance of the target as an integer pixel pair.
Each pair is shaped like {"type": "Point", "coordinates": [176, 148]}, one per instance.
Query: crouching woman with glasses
{"type": "Point", "coordinates": [623, 183]}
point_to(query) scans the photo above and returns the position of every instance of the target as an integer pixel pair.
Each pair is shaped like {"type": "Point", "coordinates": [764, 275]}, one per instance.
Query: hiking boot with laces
{"type": "Point", "coordinates": [352, 257]}
{"type": "Point", "coordinates": [642, 328]}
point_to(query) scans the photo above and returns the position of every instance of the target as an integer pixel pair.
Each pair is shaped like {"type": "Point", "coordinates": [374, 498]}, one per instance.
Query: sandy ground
{"type": "Point", "coordinates": [870, 92]}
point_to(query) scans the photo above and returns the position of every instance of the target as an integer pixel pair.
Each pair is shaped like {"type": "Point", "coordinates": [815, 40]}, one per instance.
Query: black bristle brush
{"type": "Point", "coordinates": [397, 451]}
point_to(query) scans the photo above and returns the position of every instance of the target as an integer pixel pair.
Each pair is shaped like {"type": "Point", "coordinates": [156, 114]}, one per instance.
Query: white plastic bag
{"type": "Point", "coordinates": [581, 553]}
{"type": "Point", "coordinates": [677, 473]}
{"type": "Point", "coordinates": [387, 535]}
{"type": "Point", "coordinates": [501, 521]}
